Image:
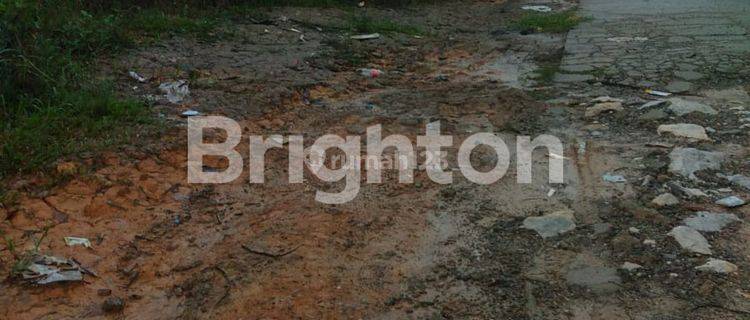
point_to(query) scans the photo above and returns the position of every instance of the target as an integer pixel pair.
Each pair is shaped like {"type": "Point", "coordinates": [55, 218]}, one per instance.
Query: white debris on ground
{"type": "Point", "coordinates": [176, 92]}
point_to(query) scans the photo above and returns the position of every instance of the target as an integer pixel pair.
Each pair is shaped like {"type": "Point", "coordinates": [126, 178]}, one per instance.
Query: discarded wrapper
{"type": "Point", "coordinates": [366, 36]}
{"type": "Point", "coordinates": [537, 8]}
{"type": "Point", "coordinates": [613, 178]}
{"type": "Point", "coordinates": [370, 73]}
{"type": "Point", "coordinates": [51, 269]}
{"type": "Point", "coordinates": [75, 241]}
{"type": "Point", "coordinates": [658, 93]}
{"type": "Point", "coordinates": [175, 91]}
{"type": "Point", "coordinates": [136, 77]}
{"type": "Point", "coordinates": [190, 113]}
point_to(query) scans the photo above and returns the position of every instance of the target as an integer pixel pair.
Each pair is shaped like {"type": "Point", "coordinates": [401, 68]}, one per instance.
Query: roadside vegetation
{"type": "Point", "coordinates": [548, 22]}
{"type": "Point", "coordinates": [52, 105]}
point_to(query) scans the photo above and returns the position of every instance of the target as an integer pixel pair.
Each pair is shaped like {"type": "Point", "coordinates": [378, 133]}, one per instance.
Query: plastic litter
{"type": "Point", "coordinates": [76, 241]}
{"type": "Point", "coordinates": [537, 8]}
{"type": "Point", "coordinates": [190, 113]}
{"type": "Point", "coordinates": [370, 73]}
{"type": "Point", "coordinates": [613, 178]}
{"type": "Point", "coordinates": [136, 77]}
{"type": "Point", "coordinates": [658, 93]}
{"type": "Point", "coordinates": [175, 91]}
{"type": "Point", "coordinates": [369, 36]}
{"type": "Point", "coordinates": [51, 269]}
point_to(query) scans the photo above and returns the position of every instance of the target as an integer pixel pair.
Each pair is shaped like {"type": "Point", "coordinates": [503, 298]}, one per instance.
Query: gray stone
{"type": "Point", "coordinates": [690, 240]}
{"type": "Point", "coordinates": [682, 107]}
{"type": "Point", "coordinates": [688, 161]}
{"type": "Point", "coordinates": [731, 202]}
{"type": "Point", "coordinates": [685, 130]}
{"type": "Point", "coordinates": [665, 200]}
{"type": "Point", "coordinates": [678, 86]}
{"type": "Point", "coordinates": [654, 115]}
{"type": "Point", "coordinates": [603, 107]}
{"type": "Point", "coordinates": [651, 104]}
{"type": "Point", "coordinates": [689, 75]}
{"type": "Point", "coordinates": [740, 180]}
{"type": "Point", "coordinates": [630, 267]}
{"type": "Point", "coordinates": [693, 192]}
{"type": "Point", "coordinates": [606, 99]}
{"type": "Point", "coordinates": [552, 224]}
{"type": "Point", "coordinates": [709, 221]}
{"type": "Point", "coordinates": [717, 266]}
{"type": "Point", "coordinates": [597, 279]}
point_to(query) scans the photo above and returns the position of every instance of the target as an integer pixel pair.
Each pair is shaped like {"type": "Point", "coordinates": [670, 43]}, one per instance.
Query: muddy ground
{"type": "Point", "coordinates": [173, 250]}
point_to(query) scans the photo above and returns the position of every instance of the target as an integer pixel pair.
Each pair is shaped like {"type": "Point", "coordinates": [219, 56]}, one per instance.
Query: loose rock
{"type": "Point", "coordinates": [690, 240]}
{"type": "Point", "coordinates": [687, 161]}
{"type": "Point", "coordinates": [740, 180]}
{"type": "Point", "coordinates": [630, 267]}
{"type": "Point", "coordinates": [606, 99]}
{"type": "Point", "coordinates": [552, 224]}
{"type": "Point", "coordinates": [710, 222]}
{"type": "Point", "coordinates": [665, 200]}
{"type": "Point", "coordinates": [652, 104]}
{"type": "Point", "coordinates": [685, 130]}
{"type": "Point", "coordinates": [603, 107]}
{"type": "Point", "coordinates": [718, 266]}
{"type": "Point", "coordinates": [653, 115]}
{"type": "Point", "coordinates": [682, 107]}
{"type": "Point", "coordinates": [731, 202]}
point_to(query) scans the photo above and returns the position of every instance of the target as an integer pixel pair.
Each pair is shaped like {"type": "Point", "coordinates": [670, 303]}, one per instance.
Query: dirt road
{"type": "Point", "coordinates": [173, 250]}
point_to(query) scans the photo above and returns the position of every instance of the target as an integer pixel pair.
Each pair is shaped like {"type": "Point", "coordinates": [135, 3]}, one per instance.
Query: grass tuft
{"type": "Point", "coordinates": [549, 22]}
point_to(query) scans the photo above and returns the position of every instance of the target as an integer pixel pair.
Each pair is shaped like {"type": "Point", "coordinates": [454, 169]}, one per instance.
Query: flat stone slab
{"type": "Point", "coordinates": [709, 221]}
{"type": "Point", "coordinates": [652, 104]}
{"type": "Point", "coordinates": [654, 114]}
{"type": "Point", "coordinates": [740, 180]}
{"type": "Point", "coordinates": [731, 202]}
{"type": "Point", "coordinates": [689, 75]}
{"type": "Point", "coordinates": [683, 107]}
{"type": "Point", "coordinates": [680, 43]}
{"type": "Point", "coordinates": [690, 240]}
{"type": "Point", "coordinates": [678, 86]}
{"type": "Point", "coordinates": [688, 161]}
{"type": "Point", "coordinates": [552, 224]}
{"type": "Point", "coordinates": [597, 279]}
{"type": "Point", "coordinates": [684, 130]}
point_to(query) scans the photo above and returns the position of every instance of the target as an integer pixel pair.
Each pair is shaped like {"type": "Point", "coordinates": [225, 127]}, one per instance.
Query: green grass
{"type": "Point", "coordinates": [154, 22]}
{"type": "Point", "coordinates": [548, 22]}
{"type": "Point", "coordinates": [52, 105]}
